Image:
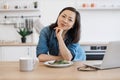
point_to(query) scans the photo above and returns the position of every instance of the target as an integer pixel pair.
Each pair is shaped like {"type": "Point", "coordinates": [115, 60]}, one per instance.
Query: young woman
{"type": "Point", "coordinates": [60, 39]}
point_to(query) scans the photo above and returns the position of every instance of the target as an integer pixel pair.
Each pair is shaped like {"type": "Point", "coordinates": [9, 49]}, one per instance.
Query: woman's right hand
{"type": "Point", "coordinates": [58, 32]}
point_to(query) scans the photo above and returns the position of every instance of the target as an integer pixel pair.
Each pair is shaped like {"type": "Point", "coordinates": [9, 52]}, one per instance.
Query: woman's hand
{"type": "Point", "coordinates": [63, 50]}
{"type": "Point", "coordinates": [58, 32]}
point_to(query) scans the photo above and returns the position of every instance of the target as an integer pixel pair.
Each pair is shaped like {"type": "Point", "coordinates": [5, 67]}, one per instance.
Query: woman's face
{"type": "Point", "coordinates": [66, 20]}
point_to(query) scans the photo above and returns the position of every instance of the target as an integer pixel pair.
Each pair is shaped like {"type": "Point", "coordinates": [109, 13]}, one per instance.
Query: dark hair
{"type": "Point", "coordinates": [74, 32]}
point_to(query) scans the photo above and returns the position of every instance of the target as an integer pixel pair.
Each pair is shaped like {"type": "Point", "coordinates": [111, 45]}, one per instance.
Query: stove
{"type": "Point", "coordinates": [94, 52]}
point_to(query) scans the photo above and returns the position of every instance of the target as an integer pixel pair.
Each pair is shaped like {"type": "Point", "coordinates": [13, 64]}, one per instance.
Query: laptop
{"type": "Point", "coordinates": [111, 58]}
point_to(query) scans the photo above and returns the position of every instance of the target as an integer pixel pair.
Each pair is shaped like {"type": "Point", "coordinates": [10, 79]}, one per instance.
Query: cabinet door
{"type": "Point", "coordinates": [31, 51]}
{"type": "Point", "coordinates": [13, 53]}
{"type": "Point", "coordinates": [1, 54]}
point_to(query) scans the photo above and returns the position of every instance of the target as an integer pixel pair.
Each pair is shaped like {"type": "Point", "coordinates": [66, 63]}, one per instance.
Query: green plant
{"type": "Point", "coordinates": [24, 32]}
{"type": "Point", "coordinates": [35, 4]}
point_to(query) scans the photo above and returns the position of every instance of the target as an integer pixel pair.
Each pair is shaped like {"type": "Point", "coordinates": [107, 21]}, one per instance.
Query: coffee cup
{"type": "Point", "coordinates": [27, 63]}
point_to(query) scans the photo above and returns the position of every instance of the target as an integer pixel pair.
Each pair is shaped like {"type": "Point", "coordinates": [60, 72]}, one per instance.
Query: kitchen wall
{"type": "Point", "coordinates": [98, 25]}
{"type": "Point", "coordinates": [51, 8]}
{"type": "Point", "coordinates": [16, 13]}
{"type": "Point", "coordinates": [48, 10]}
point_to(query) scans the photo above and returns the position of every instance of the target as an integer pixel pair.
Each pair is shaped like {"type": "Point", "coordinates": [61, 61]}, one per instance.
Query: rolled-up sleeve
{"type": "Point", "coordinates": [42, 44]}
{"type": "Point", "coordinates": [77, 52]}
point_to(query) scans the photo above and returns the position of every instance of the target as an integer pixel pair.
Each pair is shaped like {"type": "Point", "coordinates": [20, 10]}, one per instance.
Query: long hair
{"type": "Point", "coordinates": [75, 31]}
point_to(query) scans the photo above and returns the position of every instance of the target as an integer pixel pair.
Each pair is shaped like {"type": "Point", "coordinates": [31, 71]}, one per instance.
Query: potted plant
{"type": "Point", "coordinates": [24, 32]}
{"type": "Point", "coordinates": [35, 4]}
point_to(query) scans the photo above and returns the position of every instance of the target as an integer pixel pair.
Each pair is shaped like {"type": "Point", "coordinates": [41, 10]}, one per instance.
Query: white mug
{"type": "Point", "coordinates": [27, 63]}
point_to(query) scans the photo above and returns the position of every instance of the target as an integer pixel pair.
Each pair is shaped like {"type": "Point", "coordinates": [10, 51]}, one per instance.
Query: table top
{"type": "Point", "coordinates": [10, 71]}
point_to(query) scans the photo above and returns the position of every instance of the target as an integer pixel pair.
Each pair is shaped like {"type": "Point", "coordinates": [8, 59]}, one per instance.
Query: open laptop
{"type": "Point", "coordinates": [111, 58]}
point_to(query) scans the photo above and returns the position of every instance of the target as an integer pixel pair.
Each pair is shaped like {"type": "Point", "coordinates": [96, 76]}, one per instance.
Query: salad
{"type": "Point", "coordinates": [60, 62]}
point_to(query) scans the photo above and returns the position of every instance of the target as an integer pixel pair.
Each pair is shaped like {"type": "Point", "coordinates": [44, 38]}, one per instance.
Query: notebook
{"type": "Point", "coordinates": [111, 58]}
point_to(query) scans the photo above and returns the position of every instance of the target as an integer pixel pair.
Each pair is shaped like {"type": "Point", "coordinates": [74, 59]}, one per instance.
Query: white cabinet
{"type": "Point", "coordinates": [13, 53]}
{"type": "Point", "coordinates": [1, 54]}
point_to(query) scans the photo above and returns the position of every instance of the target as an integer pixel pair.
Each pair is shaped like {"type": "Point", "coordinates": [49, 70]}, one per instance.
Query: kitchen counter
{"type": "Point", "coordinates": [35, 44]}
{"type": "Point", "coordinates": [17, 44]}
{"type": "Point", "coordinates": [93, 43]}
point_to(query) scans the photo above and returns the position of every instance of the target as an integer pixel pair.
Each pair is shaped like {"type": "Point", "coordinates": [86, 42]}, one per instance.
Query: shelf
{"type": "Point", "coordinates": [98, 8]}
{"type": "Point", "coordinates": [15, 10]}
{"type": "Point", "coordinates": [7, 23]}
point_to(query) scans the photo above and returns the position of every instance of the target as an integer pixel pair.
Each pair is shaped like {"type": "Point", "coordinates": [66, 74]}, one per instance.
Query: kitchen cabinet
{"type": "Point", "coordinates": [1, 54]}
{"type": "Point", "coordinates": [13, 53]}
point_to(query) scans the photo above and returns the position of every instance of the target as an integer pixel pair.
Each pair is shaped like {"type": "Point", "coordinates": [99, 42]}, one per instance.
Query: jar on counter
{"type": "Point", "coordinates": [5, 6]}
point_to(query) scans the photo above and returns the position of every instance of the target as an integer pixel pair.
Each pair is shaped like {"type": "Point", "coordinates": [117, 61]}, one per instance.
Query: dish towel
{"type": "Point", "coordinates": [38, 25]}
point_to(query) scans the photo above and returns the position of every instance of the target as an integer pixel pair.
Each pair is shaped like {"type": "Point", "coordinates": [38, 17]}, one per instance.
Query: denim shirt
{"type": "Point", "coordinates": [48, 44]}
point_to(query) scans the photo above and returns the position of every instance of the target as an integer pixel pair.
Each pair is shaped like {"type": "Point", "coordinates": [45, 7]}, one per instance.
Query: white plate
{"type": "Point", "coordinates": [57, 65]}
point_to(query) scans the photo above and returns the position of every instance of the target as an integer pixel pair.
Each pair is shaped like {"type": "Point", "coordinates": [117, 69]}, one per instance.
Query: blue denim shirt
{"type": "Point", "coordinates": [48, 43]}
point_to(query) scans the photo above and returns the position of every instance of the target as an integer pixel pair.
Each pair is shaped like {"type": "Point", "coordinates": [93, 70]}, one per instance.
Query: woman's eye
{"type": "Point", "coordinates": [63, 16]}
{"type": "Point", "coordinates": [70, 20]}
